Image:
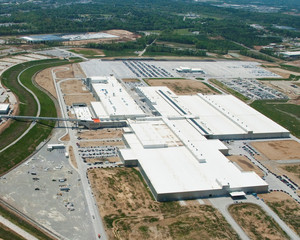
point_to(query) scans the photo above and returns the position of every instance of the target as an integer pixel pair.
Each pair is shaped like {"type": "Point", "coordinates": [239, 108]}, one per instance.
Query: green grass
{"type": "Point", "coordinates": [211, 87]}
{"type": "Point", "coordinates": [229, 90]}
{"type": "Point", "coordinates": [290, 68]}
{"type": "Point", "coordinates": [28, 107]}
{"type": "Point", "coordinates": [287, 115]}
{"type": "Point", "coordinates": [22, 224]}
{"type": "Point", "coordinates": [183, 31]}
{"type": "Point", "coordinates": [6, 233]}
{"type": "Point", "coordinates": [86, 52]}
{"type": "Point", "coordinates": [123, 53]}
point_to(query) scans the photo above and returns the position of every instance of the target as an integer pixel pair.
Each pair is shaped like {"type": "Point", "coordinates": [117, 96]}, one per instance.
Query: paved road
{"type": "Point", "coordinates": [222, 205]}
{"type": "Point", "coordinates": [91, 203]}
{"type": "Point", "coordinates": [37, 114]}
{"type": "Point", "coordinates": [16, 229]}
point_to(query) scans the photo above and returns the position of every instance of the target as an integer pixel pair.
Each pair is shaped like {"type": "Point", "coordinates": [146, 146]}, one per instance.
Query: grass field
{"type": "Point", "coordinates": [122, 53]}
{"type": "Point", "coordinates": [290, 68]}
{"type": "Point", "coordinates": [255, 222]}
{"type": "Point", "coordinates": [28, 107]}
{"type": "Point", "coordinates": [22, 224]}
{"type": "Point", "coordinates": [287, 115]}
{"type": "Point", "coordinates": [229, 90]}
{"type": "Point", "coordinates": [89, 53]}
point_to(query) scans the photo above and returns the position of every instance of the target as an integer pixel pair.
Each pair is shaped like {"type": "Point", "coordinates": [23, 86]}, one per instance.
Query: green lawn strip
{"type": "Point", "coordinates": [121, 53]}
{"type": "Point", "coordinates": [280, 112]}
{"type": "Point", "coordinates": [229, 90]}
{"type": "Point", "coordinates": [26, 146]}
{"type": "Point", "coordinates": [6, 233]}
{"type": "Point", "coordinates": [290, 68]}
{"type": "Point", "coordinates": [23, 224]}
{"type": "Point", "coordinates": [211, 87]}
{"type": "Point", "coordinates": [27, 106]}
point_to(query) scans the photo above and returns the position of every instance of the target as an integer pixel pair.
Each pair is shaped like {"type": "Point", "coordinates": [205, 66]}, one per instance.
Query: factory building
{"type": "Point", "coordinates": [179, 163]}
{"type": "Point", "coordinates": [189, 70]}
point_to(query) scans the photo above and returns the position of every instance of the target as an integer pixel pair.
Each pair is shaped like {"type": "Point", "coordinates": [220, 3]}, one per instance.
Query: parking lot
{"type": "Point", "coordinates": [49, 190]}
{"type": "Point", "coordinates": [253, 89]}
{"type": "Point", "coordinates": [98, 152]}
{"type": "Point", "coordinates": [146, 70]}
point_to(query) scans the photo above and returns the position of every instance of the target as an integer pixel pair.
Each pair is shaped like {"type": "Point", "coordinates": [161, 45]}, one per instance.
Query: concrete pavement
{"type": "Point", "coordinates": [16, 229]}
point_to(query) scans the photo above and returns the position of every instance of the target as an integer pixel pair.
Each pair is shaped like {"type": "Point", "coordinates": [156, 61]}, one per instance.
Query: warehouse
{"type": "Point", "coordinates": [215, 116]}
{"type": "Point", "coordinates": [114, 100]}
{"type": "Point", "coordinates": [180, 166]}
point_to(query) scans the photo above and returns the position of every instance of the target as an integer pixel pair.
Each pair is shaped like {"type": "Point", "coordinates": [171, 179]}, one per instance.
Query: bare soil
{"type": "Point", "coordinates": [73, 87]}
{"type": "Point", "coordinates": [284, 206]}
{"type": "Point", "coordinates": [129, 212]}
{"type": "Point", "coordinates": [101, 133]}
{"type": "Point", "coordinates": [278, 150]}
{"type": "Point", "coordinates": [255, 222]}
{"type": "Point", "coordinates": [66, 138]}
{"type": "Point", "coordinates": [97, 52]}
{"type": "Point", "coordinates": [7, 123]}
{"type": "Point", "coordinates": [78, 72]}
{"type": "Point", "coordinates": [45, 80]}
{"type": "Point", "coordinates": [282, 72]}
{"type": "Point", "coordinates": [83, 98]}
{"type": "Point", "coordinates": [72, 157]}
{"type": "Point", "coordinates": [182, 86]}
{"type": "Point", "coordinates": [64, 72]}
{"type": "Point", "coordinates": [246, 164]}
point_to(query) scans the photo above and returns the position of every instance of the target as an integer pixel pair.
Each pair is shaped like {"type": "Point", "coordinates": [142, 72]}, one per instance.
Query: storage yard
{"type": "Point", "coordinates": [160, 69]}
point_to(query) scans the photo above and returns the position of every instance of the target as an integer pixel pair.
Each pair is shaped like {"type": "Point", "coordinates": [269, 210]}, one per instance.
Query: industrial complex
{"type": "Point", "coordinates": [176, 140]}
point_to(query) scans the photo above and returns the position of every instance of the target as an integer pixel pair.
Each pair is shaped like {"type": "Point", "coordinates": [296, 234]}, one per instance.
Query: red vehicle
{"type": "Point", "coordinates": [99, 236]}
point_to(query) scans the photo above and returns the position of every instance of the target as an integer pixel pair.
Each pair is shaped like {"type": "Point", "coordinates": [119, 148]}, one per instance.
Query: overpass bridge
{"type": "Point", "coordinates": [94, 123]}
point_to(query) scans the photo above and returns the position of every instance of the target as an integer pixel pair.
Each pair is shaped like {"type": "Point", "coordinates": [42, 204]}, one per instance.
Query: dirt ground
{"type": "Point", "coordinates": [101, 143]}
{"type": "Point", "coordinates": [66, 138]}
{"type": "Point", "coordinates": [64, 72]}
{"type": "Point", "coordinates": [278, 150]}
{"type": "Point", "coordinates": [72, 157]}
{"type": "Point", "coordinates": [246, 164]}
{"type": "Point", "coordinates": [101, 133]}
{"type": "Point", "coordinates": [182, 86]}
{"type": "Point", "coordinates": [45, 80]}
{"type": "Point", "coordinates": [73, 87]}
{"type": "Point", "coordinates": [254, 221]}
{"type": "Point", "coordinates": [286, 207]}
{"type": "Point", "coordinates": [129, 212]}
{"type": "Point", "coordinates": [78, 72]}
{"type": "Point", "coordinates": [83, 98]}
{"type": "Point", "coordinates": [130, 80]}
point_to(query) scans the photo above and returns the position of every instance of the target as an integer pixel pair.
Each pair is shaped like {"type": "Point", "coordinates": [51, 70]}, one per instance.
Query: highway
{"type": "Point", "coordinates": [91, 203]}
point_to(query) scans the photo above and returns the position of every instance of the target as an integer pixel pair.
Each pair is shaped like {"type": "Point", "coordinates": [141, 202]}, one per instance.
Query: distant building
{"type": "Point", "coordinates": [291, 55]}
{"type": "Point", "coordinates": [189, 70]}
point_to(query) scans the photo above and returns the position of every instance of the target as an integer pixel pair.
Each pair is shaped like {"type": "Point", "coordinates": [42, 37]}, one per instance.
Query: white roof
{"type": "Point", "coordinates": [115, 99]}
{"type": "Point", "coordinates": [237, 194]}
{"type": "Point", "coordinates": [82, 113]}
{"type": "Point", "coordinates": [176, 169]}
{"type": "Point", "coordinates": [245, 115]}
{"type": "Point", "coordinates": [4, 106]}
{"type": "Point", "coordinates": [296, 53]}
{"type": "Point", "coordinates": [99, 110]}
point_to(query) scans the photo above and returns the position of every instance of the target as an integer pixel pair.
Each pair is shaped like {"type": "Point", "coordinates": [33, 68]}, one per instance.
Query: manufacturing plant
{"type": "Point", "coordinates": [177, 147]}
{"type": "Point", "coordinates": [65, 37]}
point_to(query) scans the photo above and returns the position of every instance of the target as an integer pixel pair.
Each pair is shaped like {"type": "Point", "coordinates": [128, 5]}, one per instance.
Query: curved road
{"type": "Point", "coordinates": [37, 114]}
